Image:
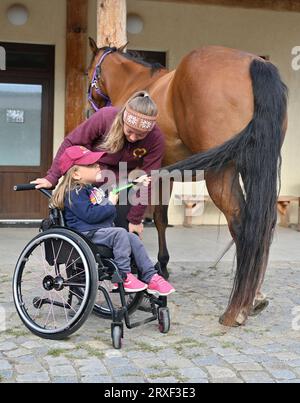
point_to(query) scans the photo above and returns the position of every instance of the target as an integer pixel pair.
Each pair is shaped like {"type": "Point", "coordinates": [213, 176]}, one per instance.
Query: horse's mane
{"type": "Point", "coordinates": [136, 57]}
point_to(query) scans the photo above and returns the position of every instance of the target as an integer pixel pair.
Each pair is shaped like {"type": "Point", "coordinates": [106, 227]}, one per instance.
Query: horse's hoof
{"type": "Point", "coordinates": [162, 271]}
{"type": "Point", "coordinates": [240, 321]}
{"type": "Point", "coordinates": [258, 307]}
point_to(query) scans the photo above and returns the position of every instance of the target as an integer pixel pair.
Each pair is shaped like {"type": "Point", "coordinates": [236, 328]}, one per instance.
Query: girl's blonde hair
{"type": "Point", "coordinates": [67, 184]}
{"type": "Point", "coordinates": [139, 102]}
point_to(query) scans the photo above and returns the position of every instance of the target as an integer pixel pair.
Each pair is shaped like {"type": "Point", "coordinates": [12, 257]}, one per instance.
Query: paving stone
{"type": "Point", "coordinates": [6, 374]}
{"type": "Point", "coordinates": [27, 368]}
{"type": "Point", "coordinates": [239, 359]}
{"type": "Point", "coordinates": [4, 364]}
{"type": "Point", "coordinates": [65, 379]}
{"type": "Point", "coordinates": [57, 361]}
{"type": "Point", "coordinates": [249, 366]}
{"type": "Point", "coordinates": [117, 362]}
{"type": "Point", "coordinates": [210, 360]}
{"type": "Point", "coordinates": [33, 378]}
{"type": "Point", "coordinates": [256, 377]}
{"type": "Point", "coordinates": [193, 373]}
{"type": "Point", "coordinates": [293, 363]}
{"type": "Point", "coordinates": [178, 362]}
{"type": "Point", "coordinates": [124, 371]}
{"type": "Point", "coordinates": [96, 379]}
{"type": "Point", "coordinates": [20, 352]}
{"type": "Point", "coordinates": [26, 359]}
{"type": "Point", "coordinates": [227, 380]}
{"type": "Point", "coordinates": [31, 345]}
{"type": "Point", "coordinates": [62, 371]}
{"type": "Point", "coordinates": [283, 374]}
{"type": "Point", "coordinates": [286, 356]}
{"type": "Point", "coordinates": [169, 379]}
{"type": "Point", "coordinates": [130, 379]}
{"type": "Point", "coordinates": [224, 352]}
{"type": "Point", "coordinates": [220, 372]}
{"type": "Point", "coordinates": [90, 367]}
{"type": "Point", "coordinates": [8, 346]}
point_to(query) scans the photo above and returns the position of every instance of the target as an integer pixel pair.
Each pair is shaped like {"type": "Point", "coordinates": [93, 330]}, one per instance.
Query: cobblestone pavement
{"type": "Point", "coordinates": [197, 349]}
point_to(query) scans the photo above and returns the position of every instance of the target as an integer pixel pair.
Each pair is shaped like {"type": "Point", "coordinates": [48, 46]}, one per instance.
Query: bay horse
{"type": "Point", "coordinates": [223, 111]}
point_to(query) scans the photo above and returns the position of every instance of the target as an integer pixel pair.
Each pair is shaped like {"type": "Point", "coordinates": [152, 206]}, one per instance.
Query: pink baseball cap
{"type": "Point", "coordinates": [78, 155]}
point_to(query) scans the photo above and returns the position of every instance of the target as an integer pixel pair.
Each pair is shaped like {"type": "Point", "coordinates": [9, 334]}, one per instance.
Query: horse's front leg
{"type": "Point", "coordinates": [161, 223]}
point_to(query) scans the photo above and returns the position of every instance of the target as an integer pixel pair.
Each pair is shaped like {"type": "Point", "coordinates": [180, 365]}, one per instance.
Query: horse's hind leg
{"type": "Point", "coordinates": [225, 190]}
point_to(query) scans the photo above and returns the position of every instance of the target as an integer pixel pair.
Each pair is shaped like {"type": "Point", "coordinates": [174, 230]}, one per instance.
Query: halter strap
{"type": "Point", "coordinates": [94, 84]}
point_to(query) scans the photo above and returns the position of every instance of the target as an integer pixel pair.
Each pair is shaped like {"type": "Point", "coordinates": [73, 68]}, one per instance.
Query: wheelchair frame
{"type": "Point", "coordinates": [103, 269]}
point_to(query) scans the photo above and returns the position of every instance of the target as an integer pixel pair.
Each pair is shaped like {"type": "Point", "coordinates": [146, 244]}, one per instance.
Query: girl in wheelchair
{"type": "Point", "coordinates": [89, 211]}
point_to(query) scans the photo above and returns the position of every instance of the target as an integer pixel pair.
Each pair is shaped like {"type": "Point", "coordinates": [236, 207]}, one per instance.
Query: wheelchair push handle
{"type": "Point", "coordinates": [31, 186]}
{"type": "Point", "coordinates": [23, 187]}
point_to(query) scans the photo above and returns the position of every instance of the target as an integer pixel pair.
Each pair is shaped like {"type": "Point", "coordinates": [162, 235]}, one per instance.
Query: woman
{"type": "Point", "coordinates": [127, 135]}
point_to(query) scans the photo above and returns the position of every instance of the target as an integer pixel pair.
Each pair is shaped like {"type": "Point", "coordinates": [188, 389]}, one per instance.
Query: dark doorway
{"type": "Point", "coordinates": [26, 127]}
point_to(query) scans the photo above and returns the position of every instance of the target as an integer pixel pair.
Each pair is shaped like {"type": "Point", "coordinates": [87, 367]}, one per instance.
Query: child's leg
{"type": "Point", "coordinates": [143, 262]}
{"type": "Point", "coordinates": [117, 240]}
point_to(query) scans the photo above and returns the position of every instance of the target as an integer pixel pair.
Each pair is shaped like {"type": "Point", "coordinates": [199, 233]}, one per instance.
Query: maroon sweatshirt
{"type": "Point", "coordinates": [144, 154]}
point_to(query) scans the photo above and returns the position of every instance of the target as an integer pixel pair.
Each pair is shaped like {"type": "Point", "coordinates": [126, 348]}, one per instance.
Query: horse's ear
{"type": "Point", "coordinates": [122, 48]}
{"type": "Point", "coordinates": [93, 46]}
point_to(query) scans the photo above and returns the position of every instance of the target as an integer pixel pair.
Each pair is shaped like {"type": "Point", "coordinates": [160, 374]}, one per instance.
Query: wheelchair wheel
{"type": "Point", "coordinates": [117, 337]}
{"type": "Point", "coordinates": [164, 320]}
{"type": "Point", "coordinates": [55, 284]}
{"type": "Point", "coordinates": [101, 307]}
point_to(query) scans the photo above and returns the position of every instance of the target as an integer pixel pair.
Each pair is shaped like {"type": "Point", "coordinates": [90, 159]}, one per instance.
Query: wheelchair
{"type": "Point", "coordinates": [61, 277]}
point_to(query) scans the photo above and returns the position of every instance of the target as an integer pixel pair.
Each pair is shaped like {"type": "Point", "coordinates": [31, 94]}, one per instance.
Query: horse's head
{"type": "Point", "coordinates": [98, 94]}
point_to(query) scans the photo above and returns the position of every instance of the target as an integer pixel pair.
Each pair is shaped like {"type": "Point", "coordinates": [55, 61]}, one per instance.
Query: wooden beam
{"type": "Point", "coordinates": [111, 23]}
{"type": "Point", "coordinates": [77, 21]}
{"type": "Point", "coordinates": [275, 5]}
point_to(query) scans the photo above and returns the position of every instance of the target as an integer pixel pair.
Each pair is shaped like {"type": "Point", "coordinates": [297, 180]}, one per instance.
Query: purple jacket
{"type": "Point", "coordinates": [145, 154]}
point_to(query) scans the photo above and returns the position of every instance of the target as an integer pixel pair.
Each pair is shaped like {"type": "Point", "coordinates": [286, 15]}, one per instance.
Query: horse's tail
{"type": "Point", "coordinates": [256, 155]}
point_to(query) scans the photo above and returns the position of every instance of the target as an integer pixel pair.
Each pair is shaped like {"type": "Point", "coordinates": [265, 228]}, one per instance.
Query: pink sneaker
{"type": "Point", "coordinates": [132, 284]}
{"type": "Point", "coordinates": [158, 285]}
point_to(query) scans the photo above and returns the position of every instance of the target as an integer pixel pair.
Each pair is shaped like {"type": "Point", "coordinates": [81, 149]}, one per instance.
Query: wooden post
{"type": "Point", "coordinates": [111, 23]}
{"type": "Point", "coordinates": [76, 85]}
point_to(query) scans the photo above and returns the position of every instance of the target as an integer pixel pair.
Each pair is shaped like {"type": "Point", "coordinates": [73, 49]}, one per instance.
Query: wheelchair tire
{"type": "Point", "coordinates": [117, 337]}
{"type": "Point", "coordinates": [55, 264]}
{"type": "Point", "coordinates": [164, 320]}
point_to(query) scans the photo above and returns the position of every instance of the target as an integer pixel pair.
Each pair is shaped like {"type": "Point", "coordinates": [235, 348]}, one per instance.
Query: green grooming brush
{"type": "Point", "coordinates": [127, 186]}
{"type": "Point", "coordinates": [115, 191]}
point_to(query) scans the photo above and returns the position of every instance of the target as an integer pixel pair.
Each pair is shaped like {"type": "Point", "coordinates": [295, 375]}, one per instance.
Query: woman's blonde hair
{"type": "Point", "coordinates": [139, 102]}
{"type": "Point", "coordinates": [66, 185]}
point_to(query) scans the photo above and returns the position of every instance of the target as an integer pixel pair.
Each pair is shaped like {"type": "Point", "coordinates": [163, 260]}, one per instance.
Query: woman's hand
{"type": "Point", "coordinates": [113, 198]}
{"type": "Point", "coordinates": [42, 183]}
{"type": "Point", "coordinates": [137, 228]}
{"type": "Point", "coordinates": [145, 180]}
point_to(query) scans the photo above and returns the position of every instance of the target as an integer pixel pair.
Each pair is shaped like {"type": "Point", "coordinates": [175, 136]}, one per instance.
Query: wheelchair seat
{"type": "Point", "coordinates": [104, 251]}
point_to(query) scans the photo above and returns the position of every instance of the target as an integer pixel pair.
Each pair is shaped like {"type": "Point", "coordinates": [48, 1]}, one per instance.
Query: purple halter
{"type": "Point", "coordinates": [94, 83]}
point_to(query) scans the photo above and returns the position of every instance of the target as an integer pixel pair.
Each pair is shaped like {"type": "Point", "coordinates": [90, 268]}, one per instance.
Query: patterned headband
{"type": "Point", "coordinates": [139, 121]}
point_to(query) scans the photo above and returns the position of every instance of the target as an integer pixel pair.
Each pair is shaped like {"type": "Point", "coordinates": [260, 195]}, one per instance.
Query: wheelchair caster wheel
{"type": "Point", "coordinates": [164, 320]}
{"type": "Point", "coordinates": [117, 337]}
